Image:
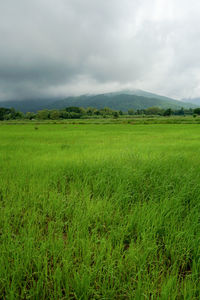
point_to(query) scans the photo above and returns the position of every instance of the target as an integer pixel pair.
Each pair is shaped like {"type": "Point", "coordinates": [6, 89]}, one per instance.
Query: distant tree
{"type": "Point", "coordinates": [115, 114]}
{"type": "Point", "coordinates": [154, 110]}
{"type": "Point", "coordinates": [197, 111]}
{"type": "Point", "coordinates": [13, 113]}
{"type": "Point", "coordinates": [29, 115]}
{"type": "Point", "coordinates": [189, 111]}
{"type": "Point", "coordinates": [90, 111]}
{"type": "Point", "coordinates": [19, 115]}
{"type": "Point", "coordinates": [131, 112]}
{"type": "Point", "coordinates": [64, 114]}
{"type": "Point", "coordinates": [8, 117]}
{"type": "Point", "coordinates": [106, 111]}
{"type": "Point", "coordinates": [54, 114]}
{"type": "Point", "coordinates": [82, 111]}
{"type": "Point", "coordinates": [96, 112]}
{"type": "Point", "coordinates": [168, 112]}
{"type": "Point", "coordinates": [120, 112]}
{"type": "Point", "coordinates": [74, 115]}
{"type": "Point", "coordinates": [140, 111]}
{"type": "Point", "coordinates": [180, 112]}
{"type": "Point", "coordinates": [7, 113]}
{"type": "Point", "coordinates": [43, 114]}
{"type": "Point", "coordinates": [75, 109]}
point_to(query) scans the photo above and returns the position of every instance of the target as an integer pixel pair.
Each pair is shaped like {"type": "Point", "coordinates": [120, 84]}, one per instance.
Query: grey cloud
{"type": "Point", "coordinates": [58, 47]}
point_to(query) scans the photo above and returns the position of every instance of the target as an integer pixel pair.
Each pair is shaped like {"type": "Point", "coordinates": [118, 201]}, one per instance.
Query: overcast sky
{"type": "Point", "coordinates": [64, 47]}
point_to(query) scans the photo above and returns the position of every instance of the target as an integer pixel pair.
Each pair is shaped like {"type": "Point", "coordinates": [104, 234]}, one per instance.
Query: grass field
{"type": "Point", "coordinates": [132, 120]}
{"type": "Point", "coordinates": [100, 211]}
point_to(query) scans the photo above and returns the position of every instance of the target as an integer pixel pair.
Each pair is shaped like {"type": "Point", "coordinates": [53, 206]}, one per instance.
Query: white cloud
{"type": "Point", "coordinates": [59, 47]}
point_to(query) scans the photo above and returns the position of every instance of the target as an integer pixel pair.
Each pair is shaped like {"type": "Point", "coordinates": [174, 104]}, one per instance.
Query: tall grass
{"type": "Point", "coordinates": [99, 212]}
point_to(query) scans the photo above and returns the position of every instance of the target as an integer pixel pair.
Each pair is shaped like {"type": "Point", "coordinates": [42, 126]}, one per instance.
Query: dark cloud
{"type": "Point", "coordinates": [62, 47]}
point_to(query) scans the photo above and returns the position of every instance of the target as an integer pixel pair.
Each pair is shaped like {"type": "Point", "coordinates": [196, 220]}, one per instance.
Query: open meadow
{"type": "Point", "coordinates": [108, 211]}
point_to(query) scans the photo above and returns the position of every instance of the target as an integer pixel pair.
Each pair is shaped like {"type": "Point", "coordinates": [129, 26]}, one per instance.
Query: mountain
{"type": "Point", "coordinates": [123, 100]}
{"type": "Point", "coordinates": [195, 101]}
{"type": "Point", "coordinates": [145, 94]}
{"type": "Point", "coordinates": [32, 105]}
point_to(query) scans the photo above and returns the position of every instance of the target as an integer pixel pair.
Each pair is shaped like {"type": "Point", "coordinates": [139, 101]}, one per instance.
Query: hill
{"type": "Point", "coordinates": [123, 100]}
{"type": "Point", "coordinates": [32, 105]}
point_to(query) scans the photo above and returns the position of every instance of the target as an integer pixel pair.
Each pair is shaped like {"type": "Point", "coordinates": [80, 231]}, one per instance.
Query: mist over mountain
{"type": "Point", "coordinates": [195, 101]}
{"type": "Point", "coordinates": [122, 100]}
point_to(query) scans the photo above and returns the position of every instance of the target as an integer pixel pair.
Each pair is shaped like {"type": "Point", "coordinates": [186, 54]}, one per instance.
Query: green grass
{"type": "Point", "coordinates": [125, 119]}
{"type": "Point", "coordinates": [99, 211]}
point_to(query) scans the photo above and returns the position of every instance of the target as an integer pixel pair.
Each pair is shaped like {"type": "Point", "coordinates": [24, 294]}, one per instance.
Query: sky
{"type": "Point", "coordinates": [56, 48]}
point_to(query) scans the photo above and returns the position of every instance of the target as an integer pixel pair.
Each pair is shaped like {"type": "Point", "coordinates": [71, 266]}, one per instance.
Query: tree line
{"type": "Point", "coordinates": [90, 112]}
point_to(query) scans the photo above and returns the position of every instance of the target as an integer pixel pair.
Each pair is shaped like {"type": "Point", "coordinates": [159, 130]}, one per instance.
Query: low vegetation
{"type": "Point", "coordinates": [74, 112]}
{"type": "Point", "coordinates": [99, 211]}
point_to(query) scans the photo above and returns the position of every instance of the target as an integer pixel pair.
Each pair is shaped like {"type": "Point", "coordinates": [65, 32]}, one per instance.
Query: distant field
{"type": "Point", "coordinates": [133, 120]}
{"type": "Point", "coordinates": [100, 211]}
